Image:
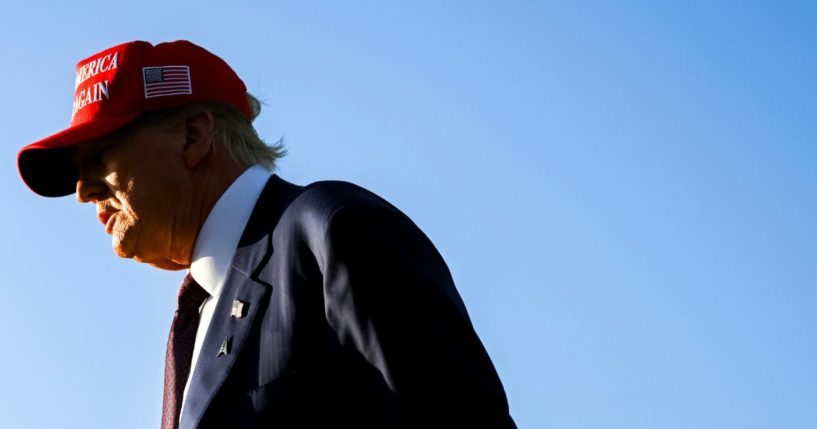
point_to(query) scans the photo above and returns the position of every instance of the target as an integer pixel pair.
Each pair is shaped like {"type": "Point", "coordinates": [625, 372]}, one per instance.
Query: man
{"type": "Point", "coordinates": [310, 306]}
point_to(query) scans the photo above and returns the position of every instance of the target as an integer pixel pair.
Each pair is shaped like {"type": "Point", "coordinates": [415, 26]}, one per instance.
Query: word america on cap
{"type": "Point", "coordinates": [99, 90]}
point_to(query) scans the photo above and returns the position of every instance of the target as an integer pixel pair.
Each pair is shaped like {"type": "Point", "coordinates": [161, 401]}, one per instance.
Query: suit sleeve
{"type": "Point", "coordinates": [389, 294]}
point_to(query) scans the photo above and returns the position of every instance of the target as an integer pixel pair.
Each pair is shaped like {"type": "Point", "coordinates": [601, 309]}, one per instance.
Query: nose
{"type": "Point", "coordinates": [90, 189]}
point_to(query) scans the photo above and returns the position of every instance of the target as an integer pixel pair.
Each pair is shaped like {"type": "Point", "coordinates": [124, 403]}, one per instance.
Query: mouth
{"type": "Point", "coordinates": [107, 219]}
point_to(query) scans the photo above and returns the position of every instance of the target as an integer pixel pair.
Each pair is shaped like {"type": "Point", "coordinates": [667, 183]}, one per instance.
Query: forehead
{"type": "Point", "coordinates": [134, 138]}
{"type": "Point", "coordinates": [92, 149]}
{"type": "Point", "coordinates": [128, 132]}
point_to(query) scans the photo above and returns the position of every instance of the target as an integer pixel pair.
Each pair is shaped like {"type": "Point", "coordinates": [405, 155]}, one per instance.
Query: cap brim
{"type": "Point", "coordinates": [47, 166]}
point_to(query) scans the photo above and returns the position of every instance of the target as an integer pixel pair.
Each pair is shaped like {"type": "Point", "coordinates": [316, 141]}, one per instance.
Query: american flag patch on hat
{"type": "Point", "coordinates": [166, 80]}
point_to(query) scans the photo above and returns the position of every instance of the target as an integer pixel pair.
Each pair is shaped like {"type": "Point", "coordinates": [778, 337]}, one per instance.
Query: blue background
{"type": "Point", "coordinates": [624, 192]}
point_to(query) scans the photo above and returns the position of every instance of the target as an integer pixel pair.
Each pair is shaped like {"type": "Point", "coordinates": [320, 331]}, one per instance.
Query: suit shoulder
{"type": "Point", "coordinates": [318, 201]}
{"type": "Point", "coordinates": [330, 195]}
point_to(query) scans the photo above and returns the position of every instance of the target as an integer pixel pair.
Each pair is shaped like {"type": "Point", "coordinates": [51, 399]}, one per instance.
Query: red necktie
{"type": "Point", "coordinates": [180, 349]}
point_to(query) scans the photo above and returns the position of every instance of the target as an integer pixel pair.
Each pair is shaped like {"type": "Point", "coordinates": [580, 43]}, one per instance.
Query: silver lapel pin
{"type": "Point", "coordinates": [224, 350]}
{"type": "Point", "coordinates": [238, 309]}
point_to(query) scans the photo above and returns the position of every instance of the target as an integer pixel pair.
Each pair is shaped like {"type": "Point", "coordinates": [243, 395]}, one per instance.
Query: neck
{"type": "Point", "coordinates": [210, 181]}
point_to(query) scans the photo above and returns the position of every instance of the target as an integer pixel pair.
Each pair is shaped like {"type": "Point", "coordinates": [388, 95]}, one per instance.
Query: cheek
{"type": "Point", "coordinates": [113, 180]}
{"type": "Point", "coordinates": [145, 214]}
{"type": "Point", "coordinates": [139, 201]}
{"type": "Point", "coordinates": [136, 217]}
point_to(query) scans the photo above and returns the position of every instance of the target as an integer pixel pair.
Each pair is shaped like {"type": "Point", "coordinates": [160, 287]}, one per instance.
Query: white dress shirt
{"type": "Point", "coordinates": [216, 244]}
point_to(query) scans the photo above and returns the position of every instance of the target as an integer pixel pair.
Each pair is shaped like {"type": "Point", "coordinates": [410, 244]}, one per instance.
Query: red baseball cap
{"type": "Point", "coordinates": [116, 86]}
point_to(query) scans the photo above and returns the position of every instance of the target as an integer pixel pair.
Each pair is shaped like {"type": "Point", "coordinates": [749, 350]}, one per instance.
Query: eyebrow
{"type": "Point", "coordinates": [104, 143]}
{"type": "Point", "coordinates": [81, 158]}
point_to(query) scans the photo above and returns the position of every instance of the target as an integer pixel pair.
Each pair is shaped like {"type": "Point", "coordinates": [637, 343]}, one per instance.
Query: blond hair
{"type": "Point", "coordinates": [240, 139]}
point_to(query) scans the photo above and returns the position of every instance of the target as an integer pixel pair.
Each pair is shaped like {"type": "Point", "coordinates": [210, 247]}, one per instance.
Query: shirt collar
{"type": "Point", "coordinates": [219, 236]}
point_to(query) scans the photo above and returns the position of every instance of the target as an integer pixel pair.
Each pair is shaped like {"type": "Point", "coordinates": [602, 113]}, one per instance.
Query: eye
{"type": "Point", "coordinates": [102, 154]}
{"type": "Point", "coordinates": [92, 158]}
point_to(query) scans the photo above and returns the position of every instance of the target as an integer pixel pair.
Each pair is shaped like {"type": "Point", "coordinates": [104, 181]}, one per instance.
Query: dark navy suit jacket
{"type": "Point", "coordinates": [350, 320]}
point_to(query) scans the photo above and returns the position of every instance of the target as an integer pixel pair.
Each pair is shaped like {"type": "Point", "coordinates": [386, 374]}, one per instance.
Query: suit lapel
{"type": "Point", "coordinates": [227, 334]}
{"type": "Point", "coordinates": [225, 338]}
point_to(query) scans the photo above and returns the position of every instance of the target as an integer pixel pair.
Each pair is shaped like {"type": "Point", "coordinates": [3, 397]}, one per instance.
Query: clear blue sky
{"type": "Point", "coordinates": [625, 192]}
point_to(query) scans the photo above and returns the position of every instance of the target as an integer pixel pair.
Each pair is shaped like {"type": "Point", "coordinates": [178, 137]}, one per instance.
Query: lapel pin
{"type": "Point", "coordinates": [224, 350]}
{"type": "Point", "coordinates": [238, 309]}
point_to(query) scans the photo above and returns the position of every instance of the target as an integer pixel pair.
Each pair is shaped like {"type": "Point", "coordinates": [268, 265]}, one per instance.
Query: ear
{"type": "Point", "coordinates": [199, 134]}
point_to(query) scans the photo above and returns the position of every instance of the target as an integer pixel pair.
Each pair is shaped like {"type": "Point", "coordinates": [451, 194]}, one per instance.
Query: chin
{"type": "Point", "coordinates": [164, 264]}
{"type": "Point", "coordinates": [158, 262]}
{"type": "Point", "coordinates": [169, 266]}
{"type": "Point", "coordinates": [121, 246]}
{"type": "Point", "coordinates": [123, 253]}
{"type": "Point", "coordinates": [124, 244]}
